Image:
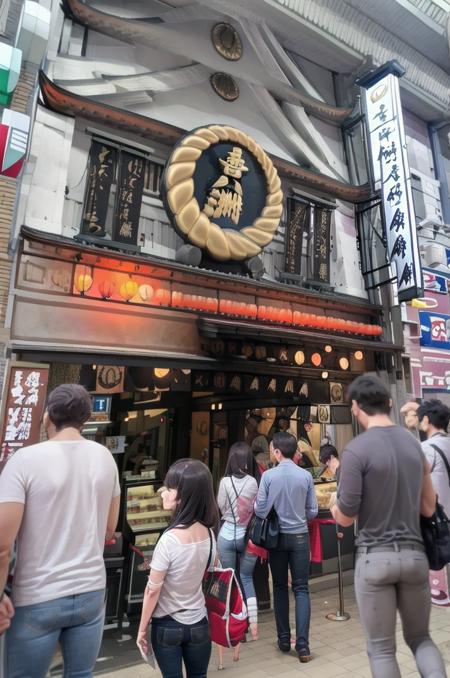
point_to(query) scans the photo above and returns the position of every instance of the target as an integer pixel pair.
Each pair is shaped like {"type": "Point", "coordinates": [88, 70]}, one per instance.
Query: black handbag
{"type": "Point", "coordinates": [264, 532]}
{"type": "Point", "coordinates": [436, 538]}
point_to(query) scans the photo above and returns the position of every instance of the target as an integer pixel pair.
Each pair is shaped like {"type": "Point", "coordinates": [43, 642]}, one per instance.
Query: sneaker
{"type": "Point", "coordinates": [284, 645]}
{"type": "Point", "coordinates": [304, 655]}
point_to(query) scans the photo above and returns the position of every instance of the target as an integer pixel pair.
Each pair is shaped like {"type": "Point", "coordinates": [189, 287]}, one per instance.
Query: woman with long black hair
{"type": "Point", "coordinates": [173, 599]}
{"type": "Point", "coordinates": [236, 497]}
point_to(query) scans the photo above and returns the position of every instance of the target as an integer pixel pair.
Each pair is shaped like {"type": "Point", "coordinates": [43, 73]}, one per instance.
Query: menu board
{"type": "Point", "coordinates": [23, 407]}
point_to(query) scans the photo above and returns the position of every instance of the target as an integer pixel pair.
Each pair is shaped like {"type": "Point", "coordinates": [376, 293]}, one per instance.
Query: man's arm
{"type": "Point", "coordinates": [11, 514]}
{"type": "Point", "coordinates": [345, 508]}
{"type": "Point", "coordinates": [261, 504]}
{"type": "Point", "coordinates": [113, 517]}
{"type": "Point", "coordinates": [428, 495]}
{"type": "Point", "coordinates": [311, 507]}
{"type": "Point", "coordinates": [340, 517]}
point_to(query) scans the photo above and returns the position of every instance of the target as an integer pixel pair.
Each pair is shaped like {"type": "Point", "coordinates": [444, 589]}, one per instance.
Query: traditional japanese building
{"type": "Point", "coordinates": [202, 191]}
{"type": "Point", "coordinates": [217, 225]}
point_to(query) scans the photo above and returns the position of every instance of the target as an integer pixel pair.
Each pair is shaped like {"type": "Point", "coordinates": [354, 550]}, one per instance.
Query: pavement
{"type": "Point", "coordinates": [338, 648]}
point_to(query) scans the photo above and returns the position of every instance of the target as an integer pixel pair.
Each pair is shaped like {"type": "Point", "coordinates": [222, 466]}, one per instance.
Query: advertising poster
{"type": "Point", "coordinates": [23, 408]}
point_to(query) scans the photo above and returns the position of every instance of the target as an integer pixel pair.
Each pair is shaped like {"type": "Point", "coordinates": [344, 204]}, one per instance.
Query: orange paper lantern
{"type": "Point", "coordinates": [162, 297]}
{"type": "Point", "coordinates": [106, 289]}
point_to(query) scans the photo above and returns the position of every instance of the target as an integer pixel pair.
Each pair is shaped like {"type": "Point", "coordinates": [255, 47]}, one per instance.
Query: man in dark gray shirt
{"type": "Point", "coordinates": [385, 483]}
{"type": "Point", "coordinates": [290, 490]}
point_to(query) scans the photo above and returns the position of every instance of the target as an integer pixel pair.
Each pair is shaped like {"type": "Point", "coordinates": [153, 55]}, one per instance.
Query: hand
{"type": "Point", "coordinates": [333, 499]}
{"type": "Point", "coordinates": [6, 613]}
{"type": "Point", "coordinates": [141, 641]}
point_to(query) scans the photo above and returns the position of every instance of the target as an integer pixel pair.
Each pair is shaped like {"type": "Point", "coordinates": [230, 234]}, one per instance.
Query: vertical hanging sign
{"type": "Point", "coordinates": [321, 253]}
{"type": "Point", "coordinates": [130, 187]}
{"type": "Point", "coordinates": [102, 164]}
{"type": "Point", "coordinates": [24, 402]}
{"type": "Point", "coordinates": [296, 228]}
{"type": "Point", "coordinates": [387, 143]}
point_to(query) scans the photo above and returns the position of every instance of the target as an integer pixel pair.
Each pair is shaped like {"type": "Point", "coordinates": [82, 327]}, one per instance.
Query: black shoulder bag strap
{"type": "Point", "coordinates": [444, 459]}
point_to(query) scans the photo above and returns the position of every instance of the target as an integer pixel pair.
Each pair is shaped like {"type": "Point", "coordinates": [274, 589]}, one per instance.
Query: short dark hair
{"type": "Point", "coordinates": [69, 405]}
{"type": "Point", "coordinates": [240, 460]}
{"type": "Point", "coordinates": [192, 480]}
{"type": "Point", "coordinates": [286, 443]}
{"type": "Point", "coordinates": [326, 452]}
{"type": "Point", "coordinates": [371, 395]}
{"type": "Point", "coordinates": [437, 413]}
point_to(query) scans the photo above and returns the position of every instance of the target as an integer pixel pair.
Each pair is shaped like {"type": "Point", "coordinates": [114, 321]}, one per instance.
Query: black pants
{"type": "Point", "coordinates": [292, 553]}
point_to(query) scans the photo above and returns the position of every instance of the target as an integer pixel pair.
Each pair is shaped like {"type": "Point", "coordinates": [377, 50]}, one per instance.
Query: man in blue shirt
{"type": "Point", "coordinates": [290, 490]}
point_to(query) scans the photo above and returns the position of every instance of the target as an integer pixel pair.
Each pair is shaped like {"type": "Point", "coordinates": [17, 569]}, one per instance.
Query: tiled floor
{"type": "Point", "coordinates": [338, 648]}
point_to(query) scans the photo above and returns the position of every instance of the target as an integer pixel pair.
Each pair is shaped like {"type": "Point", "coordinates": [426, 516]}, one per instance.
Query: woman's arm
{"type": "Point", "coordinates": [151, 597]}
{"type": "Point", "coordinates": [222, 497]}
{"type": "Point", "coordinates": [428, 495]}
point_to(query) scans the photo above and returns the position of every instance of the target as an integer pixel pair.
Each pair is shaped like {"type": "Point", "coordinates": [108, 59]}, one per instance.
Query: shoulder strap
{"type": "Point", "coordinates": [444, 459]}
{"type": "Point", "coordinates": [210, 550]}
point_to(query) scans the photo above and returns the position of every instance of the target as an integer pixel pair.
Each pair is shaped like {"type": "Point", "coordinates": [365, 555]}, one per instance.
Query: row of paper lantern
{"type": "Point", "coordinates": [163, 297]}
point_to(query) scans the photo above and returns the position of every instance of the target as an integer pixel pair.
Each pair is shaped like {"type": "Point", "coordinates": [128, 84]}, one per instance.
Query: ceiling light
{"type": "Point", "coordinates": [328, 348]}
{"type": "Point", "coordinates": [161, 372]}
{"type": "Point", "coordinates": [344, 363]}
{"type": "Point", "coordinates": [358, 355]}
{"type": "Point", "coordinates": [299, 357]}
{"type": "Point", "coordinates": [324, 375]}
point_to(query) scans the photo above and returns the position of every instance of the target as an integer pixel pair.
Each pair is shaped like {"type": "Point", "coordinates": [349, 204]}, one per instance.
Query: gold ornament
{"type": "Point", "coordinates": [226, 41]}
{"type": "Point", "coordinates": [195, 223]}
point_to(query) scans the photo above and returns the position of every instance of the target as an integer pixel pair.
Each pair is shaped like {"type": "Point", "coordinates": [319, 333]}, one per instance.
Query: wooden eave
{"type": "Point", "coordinates": [62, 101]}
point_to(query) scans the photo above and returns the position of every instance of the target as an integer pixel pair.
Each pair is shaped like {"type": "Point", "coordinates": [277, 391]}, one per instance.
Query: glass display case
{"type": "Point", "coordinates": [144, 520]}
{"type": "Point", "coordinates": [324, 489]}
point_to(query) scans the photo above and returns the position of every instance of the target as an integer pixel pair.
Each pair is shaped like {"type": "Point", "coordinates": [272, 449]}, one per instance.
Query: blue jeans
{"type": "Point", "coordinates": [76, 622]}
{"type": "Point", "coordinates": [175, 643]}
{"type": "Point", "coordinates": [293, 553]}
{"type": "Point", "coordinates": [232, 554]}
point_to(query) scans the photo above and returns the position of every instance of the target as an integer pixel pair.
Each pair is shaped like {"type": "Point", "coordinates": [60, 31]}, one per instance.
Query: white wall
{"type": "Point", "coordinates": [45, 174]}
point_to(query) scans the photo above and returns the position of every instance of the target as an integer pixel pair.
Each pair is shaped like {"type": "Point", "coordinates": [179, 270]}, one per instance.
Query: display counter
{"type": "Point", "coordinates": [144, 519]}
{"type": "Point", "coordinates": [323, 533]}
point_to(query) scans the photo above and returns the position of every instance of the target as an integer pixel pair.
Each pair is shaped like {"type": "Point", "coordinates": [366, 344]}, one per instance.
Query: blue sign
{"type": "Point", "coordinates": [436, 283]}
{"type": "Point", "coordinates": [101, 403]}
{"type": "Point", "coordinates": [435, 330]}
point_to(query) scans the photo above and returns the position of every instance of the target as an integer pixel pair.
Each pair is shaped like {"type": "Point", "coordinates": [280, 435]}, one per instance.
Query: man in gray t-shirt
{"type": "Point", "coordinates": [385, 484]}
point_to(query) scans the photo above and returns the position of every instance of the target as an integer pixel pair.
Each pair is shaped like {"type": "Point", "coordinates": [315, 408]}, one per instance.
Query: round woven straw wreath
{"type": "Point", "coordinates": [221, 243]}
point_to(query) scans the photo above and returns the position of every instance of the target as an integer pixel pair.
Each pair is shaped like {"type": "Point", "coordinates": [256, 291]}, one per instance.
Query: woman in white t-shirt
{"type": "Point", "coordinates": [173, 599]}
{"type": "Point", "coordinates": [236, 497]}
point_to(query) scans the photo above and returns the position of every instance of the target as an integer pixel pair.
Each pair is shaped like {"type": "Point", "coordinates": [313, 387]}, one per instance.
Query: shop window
{"type": "Point", "coordinates": [117, 179]}
{"type": "Point", "coordinates": [152, 177]}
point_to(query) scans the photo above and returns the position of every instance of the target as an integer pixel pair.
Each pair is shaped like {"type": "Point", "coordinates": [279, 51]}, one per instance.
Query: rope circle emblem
{"type": "Point", "coordinates": [195, 222]}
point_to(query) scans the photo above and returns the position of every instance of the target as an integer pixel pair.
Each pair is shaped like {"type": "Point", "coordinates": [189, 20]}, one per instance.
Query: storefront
{"type": "Point", "coordinates": [184, 362]}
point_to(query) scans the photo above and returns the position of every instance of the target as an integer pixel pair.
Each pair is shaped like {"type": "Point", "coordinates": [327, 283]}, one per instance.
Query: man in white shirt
{"type": "Point", "coordinates": [59, 499]}
{"type": "Point", "coordinates": [434, 417]}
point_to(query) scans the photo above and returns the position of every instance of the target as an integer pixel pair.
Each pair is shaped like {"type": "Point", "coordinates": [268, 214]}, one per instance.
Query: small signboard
{"type": "Point", "coordinates": [23, 407]}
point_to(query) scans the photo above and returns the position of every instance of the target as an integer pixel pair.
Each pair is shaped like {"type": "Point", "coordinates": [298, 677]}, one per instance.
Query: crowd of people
{"type": "Point", "coordinates": [60, 500]}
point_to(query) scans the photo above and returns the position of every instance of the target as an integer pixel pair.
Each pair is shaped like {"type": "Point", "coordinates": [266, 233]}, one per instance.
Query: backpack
{"type": "Point", "coordinates": [227, 611]}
